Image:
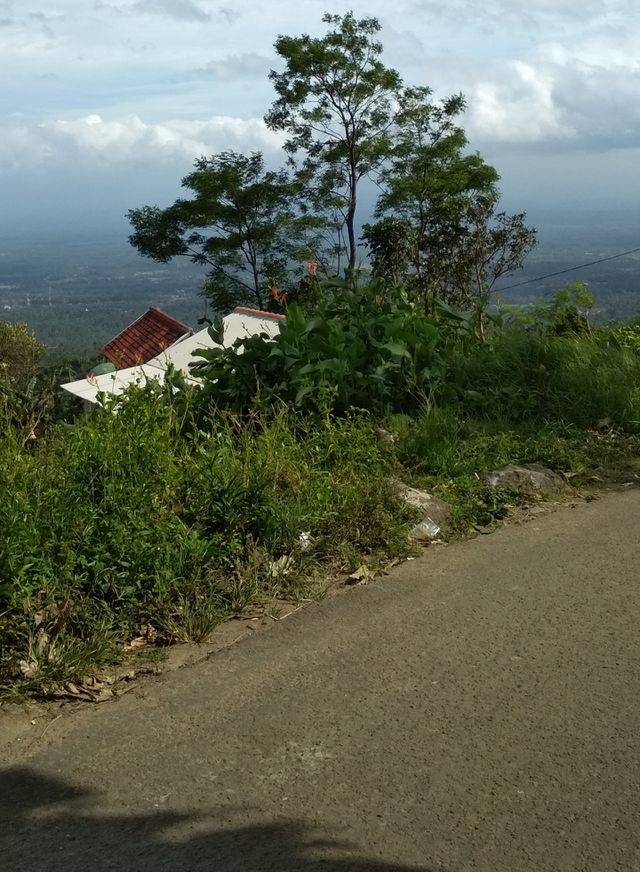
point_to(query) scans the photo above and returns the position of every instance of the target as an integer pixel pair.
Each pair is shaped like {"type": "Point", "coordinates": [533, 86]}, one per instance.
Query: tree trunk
{"type": "Point", "coordinates": [351, 234]}
{"type": "Point", "coordinates": [350, 220]}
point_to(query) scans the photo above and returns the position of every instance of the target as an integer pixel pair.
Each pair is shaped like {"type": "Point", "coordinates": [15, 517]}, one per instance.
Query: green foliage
{"type": "Point", "coordinates": [346, 116]}
{"type": "Point", "coordinates": [242, 223]}
{"type": "Point", "coordinates": [446, 198]}
{"type": "Point", "coordinates": [495, 245]}
{"type": "Point", "coordinates": [174, 507]}
{"type": "Point", "coordinates": [140, 517]}
{"type": "Point", "coordinates": [447, 447]}
{"type": "Point", "coordinates": [565, 311]}
{"type": "Point", "coordinates": [624, 336]}
{"type": "Point", "coordinates": [442, 444]}
{"type": "Point", "coordinates": [19, 351]}
{"type": "Point", "coordinates": [536, 376]}
{"type": "Point", "coordinates": [29, 404]}
{"type": "Point", "coordinates": [357, 349]}
{"type": "Point", "coordinates": [335, 100]}
{"type": "Point", "coordinates": [391, 242]}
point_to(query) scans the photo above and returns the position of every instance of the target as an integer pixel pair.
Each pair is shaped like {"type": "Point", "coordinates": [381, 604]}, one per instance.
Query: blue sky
{"type": "Point", "coordinates": [104, 105]}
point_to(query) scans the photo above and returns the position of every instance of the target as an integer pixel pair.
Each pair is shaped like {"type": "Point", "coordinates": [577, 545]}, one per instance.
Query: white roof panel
{"type": "Point", "coordinates": [113, 383]}
{"type": "Point", "coordinates": [239, 324]}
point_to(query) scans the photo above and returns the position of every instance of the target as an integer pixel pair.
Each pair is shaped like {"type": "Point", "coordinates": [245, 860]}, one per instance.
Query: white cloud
{"type": "Point", "coordinates": [517, 108]}
{"type": "Point", "coordinates": [130, 140]}
{"type": "Point", "coordinates": [96, 80]}
{"type": "Point", "coordinates": [247, 65]}
{"type": "Point", "coordinates": [579, 94]}
{"type": "Point", "coordinates": [491, 13]}
{"type": "Point", "coordinates": [182, 10]}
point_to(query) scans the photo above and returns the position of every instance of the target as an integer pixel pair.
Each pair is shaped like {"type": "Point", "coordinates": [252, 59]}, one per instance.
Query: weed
{"type": "Point", "coordinates": [133, 518]}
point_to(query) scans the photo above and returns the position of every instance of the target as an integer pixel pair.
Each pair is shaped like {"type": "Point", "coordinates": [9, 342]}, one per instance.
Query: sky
{"type": "Point", "coordinates": [104, 104]}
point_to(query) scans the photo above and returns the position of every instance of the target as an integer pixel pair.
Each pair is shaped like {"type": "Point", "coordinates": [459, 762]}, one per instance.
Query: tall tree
{"type": "Point", "coordinates": [494, 245]}
{"type": "Point", "coordinates": [336, 101]}
{"type": "Point", "coordinates": [456, 243]}
{"type": "Point", "coordinates": [242, 223]}
{"type": "Point", "coordinates": [429, 184]}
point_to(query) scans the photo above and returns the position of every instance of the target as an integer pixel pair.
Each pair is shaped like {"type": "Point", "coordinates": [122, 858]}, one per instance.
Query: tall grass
{"type": "Point", "coordinates": [136, 517]}
{"type": "Point", "coordinates": [522, 376]}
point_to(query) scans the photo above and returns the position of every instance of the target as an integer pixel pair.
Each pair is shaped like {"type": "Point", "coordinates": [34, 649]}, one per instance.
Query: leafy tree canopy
{"type": "Point", "coordinates": [242, 223]}
{"type": "Point", "coordinates": [442, 200]}
{"type": "Point", "coordinates": [345, 115]}
{"type": "Point", "coordinates": [336, 101]}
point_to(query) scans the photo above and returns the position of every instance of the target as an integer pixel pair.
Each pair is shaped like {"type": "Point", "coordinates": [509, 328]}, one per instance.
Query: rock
{"type": "Point", "coordinates": [434, 510]}
{"type": "Point", "coordinates": [604, 425]}
{"type": "Point", "coordinates": [436, 513]}
{"type": "Point", "coordinates": [529, 477]}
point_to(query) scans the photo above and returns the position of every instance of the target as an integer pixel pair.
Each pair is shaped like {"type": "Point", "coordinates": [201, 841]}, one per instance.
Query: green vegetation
{"type": "Point", "coordinates": [255, 230]}
{"type": "Point", "coordinates": [19, 351]}
{"type": "Point", "coordinates": [347, 117]}
{"type": "Point", "coordinates": [175, 507]}
{"type": "Point", "coordinates": [352, 348]}
{"type": "Point", "coordinates": [138, 516]}
{"type": "Point", "coordinates": [171, 508]}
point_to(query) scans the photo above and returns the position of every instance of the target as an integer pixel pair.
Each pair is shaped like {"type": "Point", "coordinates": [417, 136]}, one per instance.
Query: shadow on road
{"type": "Point", "coordinates": [48, 825]}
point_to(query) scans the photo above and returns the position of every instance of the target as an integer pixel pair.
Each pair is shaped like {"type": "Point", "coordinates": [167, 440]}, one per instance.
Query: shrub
{"type": "Point", "coordinates": [527, 376]}
{"type": "Point", "coordinates": [19, 351]}
{"type": "Point", "coordinates": [137, 517]}
{"type": "Point", "coordinates": [357, 349]}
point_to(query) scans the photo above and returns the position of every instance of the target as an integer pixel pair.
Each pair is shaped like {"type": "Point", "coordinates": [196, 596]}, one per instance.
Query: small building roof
{"type": "Point", "coordinates": [145, 338]}
{"type": "Point", "coordinates": [239, 324]}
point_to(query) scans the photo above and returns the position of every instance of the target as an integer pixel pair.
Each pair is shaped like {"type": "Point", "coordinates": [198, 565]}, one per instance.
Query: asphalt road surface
{"type": "Point", "coordinates": [478, 709]}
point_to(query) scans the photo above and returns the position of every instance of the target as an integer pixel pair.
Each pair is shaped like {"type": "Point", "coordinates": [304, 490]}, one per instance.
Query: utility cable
{"type": "Point", "coordinates": [568, 270]}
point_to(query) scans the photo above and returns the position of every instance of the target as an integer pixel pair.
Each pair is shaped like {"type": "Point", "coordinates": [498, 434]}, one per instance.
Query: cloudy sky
{"type": "Point", "coordinates": [105, 103]}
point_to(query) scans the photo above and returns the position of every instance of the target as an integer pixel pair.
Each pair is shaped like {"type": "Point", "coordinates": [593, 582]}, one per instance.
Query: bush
{"type": "Point", "coordinates": [137, 517]}
{"type": "Point", "coordinates": [173, 507]}
{"type": "Point", "coordinates": [19, 351]}
{"type": "Point", "coordinates": [357, 349]}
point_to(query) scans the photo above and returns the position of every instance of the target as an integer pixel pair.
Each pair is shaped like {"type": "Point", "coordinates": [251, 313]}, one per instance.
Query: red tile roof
{"type": "Point", "coordinates": [259, 313]}
{"type": "Point", "coordinates": [150, 334]}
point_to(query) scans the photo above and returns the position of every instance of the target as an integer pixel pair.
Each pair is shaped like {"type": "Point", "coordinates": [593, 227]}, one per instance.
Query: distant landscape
{"type": "Point", "coordinates": [78, 291]}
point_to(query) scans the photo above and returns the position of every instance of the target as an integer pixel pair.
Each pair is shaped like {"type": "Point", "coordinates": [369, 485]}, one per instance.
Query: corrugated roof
{"type": "Point", "coordinates": [149, 334]}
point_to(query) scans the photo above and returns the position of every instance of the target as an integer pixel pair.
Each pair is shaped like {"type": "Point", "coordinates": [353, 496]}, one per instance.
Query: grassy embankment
{"type": "Point", "coordinates": [175, 516]}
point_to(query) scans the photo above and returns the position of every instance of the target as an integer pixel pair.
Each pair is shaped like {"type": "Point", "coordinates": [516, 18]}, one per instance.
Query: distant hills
{"type": "Point", "coordinates": [78, 291]}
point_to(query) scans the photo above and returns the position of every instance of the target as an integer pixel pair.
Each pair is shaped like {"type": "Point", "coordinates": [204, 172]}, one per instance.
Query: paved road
{"type": "Point", "coordinates": [477, 710]}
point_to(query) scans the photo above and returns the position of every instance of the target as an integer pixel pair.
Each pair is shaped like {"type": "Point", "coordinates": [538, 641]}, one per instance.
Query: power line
{"type": "Point", "coordinates": [570, 269]}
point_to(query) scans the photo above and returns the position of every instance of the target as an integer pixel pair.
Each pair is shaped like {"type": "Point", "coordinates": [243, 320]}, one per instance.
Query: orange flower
{"type": "Point", "coordinates": [379, 299]}
{"type": "Point", "coordinates": [280, 298]}
{"type": "Point", "coordinates": [312, 267]}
